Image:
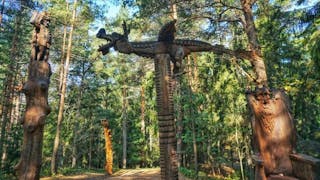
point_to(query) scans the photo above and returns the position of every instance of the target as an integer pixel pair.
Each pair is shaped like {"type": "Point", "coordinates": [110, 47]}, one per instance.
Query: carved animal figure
{"type": "Point", "coordinates": [273, 130]}
{"type": "Point", "coordinates": [166, 44]}
{"type": "Point", "coordinates": [167, 32]}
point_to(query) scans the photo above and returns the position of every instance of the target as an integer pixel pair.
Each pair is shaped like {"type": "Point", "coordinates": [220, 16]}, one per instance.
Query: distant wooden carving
{"type": "Point", "coordinates": [108, 147]}
{"type": "Point", "coordinates": [37, 107]}
{"type": "Point", "coordinates": [274, 136]}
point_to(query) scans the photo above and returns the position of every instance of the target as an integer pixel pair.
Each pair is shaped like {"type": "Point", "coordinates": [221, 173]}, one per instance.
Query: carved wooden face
{"type": "Point", "coordinates": [111, 38]}
{"type": "Point", "coordinates": [267, 108]}
{"type": "Point", "coordinates": [40, 18]}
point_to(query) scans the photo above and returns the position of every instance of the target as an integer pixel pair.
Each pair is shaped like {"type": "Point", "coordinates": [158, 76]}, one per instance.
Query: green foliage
{"type": "Point", "coordinates": [188, 172]}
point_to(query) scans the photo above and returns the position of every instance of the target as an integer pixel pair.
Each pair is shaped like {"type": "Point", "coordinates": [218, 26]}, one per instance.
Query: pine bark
{"type": "Point", "coordinates": [63, 49]}
{"type": "Point", "coordinates": [54, 158]}
{"type": "Point", "coordinates": [124, 127]}
{"type": "Point", "coordinates": [143, 125]}
{"type": "Point", "coordinates": [256, 55]}
{"type": "Point", "coordinates": [192, 78]}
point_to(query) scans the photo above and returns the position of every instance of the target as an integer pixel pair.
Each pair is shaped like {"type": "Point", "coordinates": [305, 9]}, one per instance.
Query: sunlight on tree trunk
{"type": "Point", "coordinates": [256, 55]}
{"type": "Point", "coordinates": [55, 157]}
{"type": "Point", "coordinates": [124, 126]}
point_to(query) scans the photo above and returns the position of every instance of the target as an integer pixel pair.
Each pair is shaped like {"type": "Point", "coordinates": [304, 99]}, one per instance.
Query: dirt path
{"type": "Point", "coordinates": [124, 174]}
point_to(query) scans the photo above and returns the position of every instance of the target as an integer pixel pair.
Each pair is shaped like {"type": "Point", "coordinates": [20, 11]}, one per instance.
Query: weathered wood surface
{"type": "Point", "coordinates": [273, 129]}
{"type": "Point", "coordinates": [274, 139]}
{"type": "Point", "coordinates": [37, 107]}
{"type": "Point", "coordinates": [108, 146]}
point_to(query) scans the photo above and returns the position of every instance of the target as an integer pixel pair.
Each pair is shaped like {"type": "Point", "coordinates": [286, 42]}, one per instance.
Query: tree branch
{"type": "Point", "coordinates": [240, 54]}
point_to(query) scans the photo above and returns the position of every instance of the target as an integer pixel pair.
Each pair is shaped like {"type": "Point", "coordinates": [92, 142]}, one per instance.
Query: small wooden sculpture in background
{"type": "Point", "coordinates": [109, 155]}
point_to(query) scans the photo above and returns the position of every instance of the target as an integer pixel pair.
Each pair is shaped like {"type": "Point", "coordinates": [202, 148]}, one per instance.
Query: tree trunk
{"type": "Point", "coordinates": [194, 142]}
{"type": "Point", "coordinates": [78, 116]}
{"type": "Point", "coordinates": [256, 55]}
{"type": "Point", "coordinates": [8, 88]}
{"type": "Point", "coordinates": [192, 87]}
{"type": "Point", "coordinates": [37, 108]}
{"type": "Point", "coordinates": [179, 124]}
{"type": "Point", "coordinates": [168, 142]}
{"type": "Point", "coordinates": [143, 109]}
{"type": "Point", "coordinates": [143, 125]}
{"type": "Point", "coordinates": [62, 95]}
{"type": "Point", "coordinates": [124, 127]}
{"type": "Point", "coordinates": [173, 8]}
{"type": "Point", "coordinates": [1, 11]}
{"type": "Point", "coordinates": [63, 49]}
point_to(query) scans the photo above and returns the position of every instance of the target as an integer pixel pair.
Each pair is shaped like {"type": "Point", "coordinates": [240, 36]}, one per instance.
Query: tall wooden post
{"type": "Point", "coordinates": [37, 107]}
{"type": "Point", "coordinates": [166, 49]}
{"type": "Point", "coordinates": [167, 135]}
{"type": "Point", "coordinates": [109, 156]}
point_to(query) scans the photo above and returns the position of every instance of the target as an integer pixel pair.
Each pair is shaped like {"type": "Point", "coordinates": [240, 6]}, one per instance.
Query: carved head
{"type": "Point", "coordinates": [111, 38]}
{"type": "Point", "coordinates": [167, 32]}
{"type": "Point", "coordinates": [38, 18]}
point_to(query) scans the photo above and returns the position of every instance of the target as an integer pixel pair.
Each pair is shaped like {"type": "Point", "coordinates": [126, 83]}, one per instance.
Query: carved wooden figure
{"type": "Point", "coordinates": [166, 49]}
{"type": "Point", "coordinates": [37, 107]}
{"type": "Point", "coordinates": [41, 38]}
{"type": "Point", "coordinates": [274, 138]}
{"type": "Point", "coordinates": [109, 154]}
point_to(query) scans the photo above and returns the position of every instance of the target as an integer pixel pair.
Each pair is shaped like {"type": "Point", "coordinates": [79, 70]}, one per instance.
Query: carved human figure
{"type": "Point", "coordinates": [41, 38]}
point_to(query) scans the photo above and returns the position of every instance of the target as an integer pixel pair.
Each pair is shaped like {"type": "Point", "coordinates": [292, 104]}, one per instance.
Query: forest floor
{"type": "Point", "coordinates": [124, 174]}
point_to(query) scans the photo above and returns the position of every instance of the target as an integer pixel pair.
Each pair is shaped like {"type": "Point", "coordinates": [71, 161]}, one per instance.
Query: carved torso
{"type": "Point", "coordinates": [273, 130]}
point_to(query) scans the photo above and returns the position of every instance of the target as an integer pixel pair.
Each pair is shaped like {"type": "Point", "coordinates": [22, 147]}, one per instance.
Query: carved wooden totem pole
{"type": "Point", "coordinates": [109, 155]}
{"type": "Point", "coordinates": [166, 49]}
{"type": "Point", "coordinates": [37, 107]}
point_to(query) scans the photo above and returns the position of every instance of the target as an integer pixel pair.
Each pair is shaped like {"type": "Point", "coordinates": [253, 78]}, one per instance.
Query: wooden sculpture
{"type": "Point", "coordinates": [166, 49]}
{"type": "Point", "coordinates": [109, 154]}
{"type": "Point", "coordinates": [274, 139]}
{"type": "Point", "coordinates": [37, 107]}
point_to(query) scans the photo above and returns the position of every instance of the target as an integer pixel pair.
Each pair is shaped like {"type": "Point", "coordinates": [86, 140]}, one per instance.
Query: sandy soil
{"type": "Point", "coordinates": [124, 174]}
